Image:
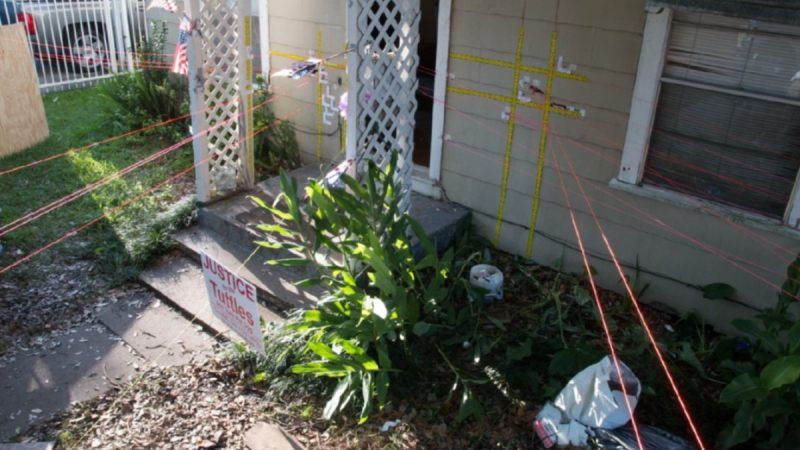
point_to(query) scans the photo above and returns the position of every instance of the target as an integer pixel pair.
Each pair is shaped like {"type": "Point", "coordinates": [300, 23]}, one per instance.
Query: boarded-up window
{"type": "Point", "coordinates": [727, 126]}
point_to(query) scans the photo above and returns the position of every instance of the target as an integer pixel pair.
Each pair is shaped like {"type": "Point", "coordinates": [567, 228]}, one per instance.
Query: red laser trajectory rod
{"type": "Point", "coordinates": [112, 139]}
{"type": "Point", "coordinates": [73, 232]}
{"type": "Point", "coordinates": [725, 255]}
{"type": "Point", "coordinates": [598, 303]}
{"type": "Point", "coordinates": [26, 219]}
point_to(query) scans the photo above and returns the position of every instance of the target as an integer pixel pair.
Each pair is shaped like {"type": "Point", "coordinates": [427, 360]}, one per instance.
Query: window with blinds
{"type": "Point", "coordinates": [727, 125]}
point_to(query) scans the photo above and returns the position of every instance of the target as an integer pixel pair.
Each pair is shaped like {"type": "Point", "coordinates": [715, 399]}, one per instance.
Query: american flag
{"type": "Point", "coordinates": [181, 63]}
{"type": "Point", "coordinates": [167, 5]}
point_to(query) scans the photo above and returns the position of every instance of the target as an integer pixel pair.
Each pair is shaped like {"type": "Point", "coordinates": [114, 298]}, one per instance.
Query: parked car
{"type": "Point", "coordinates": [81, 33]}
{"type": "Point", "coordinates": [8, 12]}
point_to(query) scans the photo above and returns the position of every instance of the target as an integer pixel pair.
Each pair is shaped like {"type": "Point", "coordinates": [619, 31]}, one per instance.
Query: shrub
{"type": "Point", "coordinates": [152, 94]}
{"type": "Point", "coordinates": [376, 293]}
{"type": "Point", "coordinates": [766, 387]}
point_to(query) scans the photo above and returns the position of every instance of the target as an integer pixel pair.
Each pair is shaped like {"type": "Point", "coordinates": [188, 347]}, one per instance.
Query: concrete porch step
{"type": "Point", "coordinates": [180, 280]}
{"type": "Point", "coordinates": [275, 285]}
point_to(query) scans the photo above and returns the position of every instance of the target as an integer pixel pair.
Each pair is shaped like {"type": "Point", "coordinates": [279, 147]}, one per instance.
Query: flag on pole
{"type": "Point", "coordinates": [181, 63]}
{"type": "Point", "coordinates": [166, 5]}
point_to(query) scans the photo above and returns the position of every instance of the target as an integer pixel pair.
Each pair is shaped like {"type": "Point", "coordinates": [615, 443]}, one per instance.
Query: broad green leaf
{"type": "Point", "coordinates": [333, 404]}
{"type": "Point", "coordinates": [259, 377]}
{"type": "Point", "coordinates": [688, 356]}
{"type": "Point", "coordinates": [366, 394]}
{"type": "Point", "coordinates": [276, 229]}
{"type": "Point", "coordinates": [430, 249]}
{"type": "Point", "coordinates": [324, 351]}
{"type": "Point", "coordinates": [496, 322]}
{"type": "Point", "coordinates": [308, 282]}
{"type": "Point", "coordinates": [520, 352]}
{"type": "Point", "coordinates": [754, 329]}
{"type": "Point", "coordinates": [289, 262]}
{"type": "Point", "coordinates": [322, 368]}
{"type": "Point", "coordinates": [313, 315]}
{"type": "Point", "coordinates": [717, 291]}
{"type": "Point", "coordinates": [742, 427]}
{"type": "Point", "coordinates": [781, 371]}
{"type": "Point", "coordinates": [742, 388]}
{"type": "Point", "coordinates": [422, 328]}
{"type": "Point", "coordinates": [794, 338]}
{"type": "Point", "coordinates": [382, 387]}
{"type": "Point", "coordinates": [469, 407]}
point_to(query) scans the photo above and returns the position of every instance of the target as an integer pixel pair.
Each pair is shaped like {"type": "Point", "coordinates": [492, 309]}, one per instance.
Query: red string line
{"type": "Point", "coordinates": [111, 139]}
{"type": "Point", "coordinates": [24, 220]}
{"type": "Point", "coordinates": [633, 299]}
{"type": "Point", "coordinates": [696, 144]}
{"type": "Point", "coordinates": [616, 163]}
{"type": "Point", "coordinates": [124, 204]}
{"type": "Point", "coordinates": [598, 304]}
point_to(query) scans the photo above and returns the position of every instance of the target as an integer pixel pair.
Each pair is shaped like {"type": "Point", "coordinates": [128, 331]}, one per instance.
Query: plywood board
{"type": "Point", "coordinates": [22, 119]}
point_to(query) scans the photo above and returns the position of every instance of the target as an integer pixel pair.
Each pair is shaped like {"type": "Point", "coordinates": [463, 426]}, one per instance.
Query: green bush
{"type": "Point", "coordinates": [152, 94]}
{"type": "Point", "coordinates": [766, 388]}
{"type": "Point", "coordinates": [377, 295]}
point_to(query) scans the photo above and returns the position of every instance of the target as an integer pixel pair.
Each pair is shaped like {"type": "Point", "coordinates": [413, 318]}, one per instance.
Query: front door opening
{"type": "Point", "coordinates": [428, 34]}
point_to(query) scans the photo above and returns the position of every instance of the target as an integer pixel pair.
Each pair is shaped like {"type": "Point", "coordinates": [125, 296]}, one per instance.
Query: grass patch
{"type": "Point", "coordinates": [78, 118]}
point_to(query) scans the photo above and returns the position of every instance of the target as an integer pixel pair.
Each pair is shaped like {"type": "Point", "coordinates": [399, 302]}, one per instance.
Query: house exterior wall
{"type": "Point", "coordinates": [604, 40]}
{"type": "Point", "coordinates": [294, 26]}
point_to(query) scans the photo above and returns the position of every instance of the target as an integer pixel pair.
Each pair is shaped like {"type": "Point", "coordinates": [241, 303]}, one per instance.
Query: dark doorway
{"type": "Point", "coordinates": [428, 31]}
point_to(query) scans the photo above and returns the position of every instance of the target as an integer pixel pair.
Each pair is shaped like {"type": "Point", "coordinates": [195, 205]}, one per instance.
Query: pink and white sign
{"type": "Point", "coordinates": [233, 301]}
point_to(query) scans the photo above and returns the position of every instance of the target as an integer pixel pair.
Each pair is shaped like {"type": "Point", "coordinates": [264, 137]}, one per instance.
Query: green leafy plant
{"type": "Point", "coordinates": [151, 94]}
{"type": "Point", "coordinates": [766, 388]}
{"type": "Point", "coordinates": [376, 292]}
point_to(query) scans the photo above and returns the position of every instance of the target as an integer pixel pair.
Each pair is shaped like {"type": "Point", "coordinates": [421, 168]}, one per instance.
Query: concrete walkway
{"type": "Point", "coordinates": [88, 361]}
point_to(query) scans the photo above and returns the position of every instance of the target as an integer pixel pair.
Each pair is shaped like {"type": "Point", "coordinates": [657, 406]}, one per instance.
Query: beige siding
{"type": "Point", "coordinates": [603, 39]}
{"type": "Point", "coordinates": [293, 28]}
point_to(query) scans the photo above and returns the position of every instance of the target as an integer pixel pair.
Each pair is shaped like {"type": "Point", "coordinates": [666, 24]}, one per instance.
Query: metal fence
{"type": "Point", "coordinates": [77, 42]}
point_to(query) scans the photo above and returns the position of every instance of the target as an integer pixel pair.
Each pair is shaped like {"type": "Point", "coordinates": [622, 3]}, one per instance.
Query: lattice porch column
{"type": "Point", "coordinates": [383, 82]}
{"type": "Point", "coordinates": [220, 85]}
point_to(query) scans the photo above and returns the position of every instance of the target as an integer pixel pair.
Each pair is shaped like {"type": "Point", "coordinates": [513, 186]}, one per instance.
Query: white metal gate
{"type": "Point", "coordinates": [77, 42]}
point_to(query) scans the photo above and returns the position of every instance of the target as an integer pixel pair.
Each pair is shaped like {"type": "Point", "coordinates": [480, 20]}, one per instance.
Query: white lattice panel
{"type": "Point", "coordinates": [220, 86]}
{"type": "Point", "coordinates": [220, 35]}
{"type": "Point", "coordinates": [386, 54]}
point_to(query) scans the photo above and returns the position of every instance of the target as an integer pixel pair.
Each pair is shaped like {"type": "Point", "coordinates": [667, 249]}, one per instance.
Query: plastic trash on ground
{"type": "Point", "coordinates": [592, 399]}
{"type": "Point", "coordinates": [489, 278]}
{"type": "Point", "coordinates": [624, 438]}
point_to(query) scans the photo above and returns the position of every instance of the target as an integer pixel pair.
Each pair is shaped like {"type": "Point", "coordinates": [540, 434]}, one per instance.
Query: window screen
{"type": "Point", "coordinates": [727, 125]}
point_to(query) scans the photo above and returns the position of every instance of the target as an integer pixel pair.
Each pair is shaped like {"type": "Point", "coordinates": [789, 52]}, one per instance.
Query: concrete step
{"type": "Point", "coordinates": [275, 285]}
{"type": "Point", "coordinates": [235, 217]}
{"type": "Point", "coordinates": [180, 281]}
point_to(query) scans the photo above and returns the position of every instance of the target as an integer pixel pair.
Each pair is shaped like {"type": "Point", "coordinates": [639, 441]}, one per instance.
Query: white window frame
{"type": "Point", "coordinates": [640, 125]}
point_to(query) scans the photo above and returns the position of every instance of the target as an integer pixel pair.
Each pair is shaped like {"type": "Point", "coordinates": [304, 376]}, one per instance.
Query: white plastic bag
{"type": "Point", "coordinates": [594, 396]}
{"type": "Point", "coordinates": [591, 399]}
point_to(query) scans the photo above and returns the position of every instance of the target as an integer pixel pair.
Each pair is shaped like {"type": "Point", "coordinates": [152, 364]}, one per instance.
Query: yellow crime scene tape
{"type": "Point", "coordinates": [551, 67]}
{"type": "Point", "coordinates": [547, 109]}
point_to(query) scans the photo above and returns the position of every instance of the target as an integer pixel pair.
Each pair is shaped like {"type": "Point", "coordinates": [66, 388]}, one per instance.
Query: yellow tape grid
{"type": "Point", "coordinates": [548, 94]}
{"type": "Point", "coordinates": [546, 107]}
{"type": "Point", "coordinates": [509, 137]}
